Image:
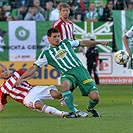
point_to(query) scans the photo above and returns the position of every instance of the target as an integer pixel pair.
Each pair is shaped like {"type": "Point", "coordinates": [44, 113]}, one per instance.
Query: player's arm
{"type": "Point", "coordinates": [27, 75]}
{"type": "Point", "coordinates": [90, 43]}
{"type": "Point", "coordinates": [3, 100]}
{"type": "Point", "coordinates": [2, 107]}
{"type": "Point", "coordinates": [125, 40]}
{"type": "Point", "coordinates": [41, 61]}
{"type": "Point", "coordinates": [80, 47]}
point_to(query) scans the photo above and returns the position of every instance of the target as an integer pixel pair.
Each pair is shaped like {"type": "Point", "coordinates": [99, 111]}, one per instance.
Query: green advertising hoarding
{"type": "Point", "coordinates": [24, 40]}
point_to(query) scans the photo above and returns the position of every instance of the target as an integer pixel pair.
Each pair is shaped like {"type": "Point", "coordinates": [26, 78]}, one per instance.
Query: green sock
{"type": "Point", "coordinates": [68, 98]}
{"type": "Point", "coordinates": [132, 63]}
{"type": "Point", "coordinates": [92, 104]}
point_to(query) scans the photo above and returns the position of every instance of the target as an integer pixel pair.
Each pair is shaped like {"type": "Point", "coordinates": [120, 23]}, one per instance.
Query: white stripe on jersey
{"type": "Point", "coordinates": [16, 74]}
{"type": "Point", "coordinates": [71, 31]}
{"type": "Point", "coordinates": [70, 55]}
{"type": "Point", "coordinates": [68, 31]}
{"type": "Point", "coordinates": [3, 90]}
{"type": "Point", "coordinates": [13, 80]}
{"type": "Point", "coordinates": [56, 60]}
{"type": "Point", "coordinates": [26, 86]}
{"type": "Point", "coordinates": [23, 94]}
{"type": "Point", "coordinates": [66, 56]}
{"type": "Point", "coordinates": [63, 33]}
{"type": "Point", "coordinates": [129, 33]}
{"type": "Point", "coordinates": [8, 85]}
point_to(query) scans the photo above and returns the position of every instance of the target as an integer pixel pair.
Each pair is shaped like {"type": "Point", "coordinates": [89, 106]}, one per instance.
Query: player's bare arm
{"type": "Point", "coordinates": [125, 40]}
{"type": "Point", "coordinates": [92, 43]}
{"type": "Point", "coordinates": [2, 107]}
{"type": "Point", "coordinates": [27, 75]}
{"type": "Point", "coordinates": [30, 77]}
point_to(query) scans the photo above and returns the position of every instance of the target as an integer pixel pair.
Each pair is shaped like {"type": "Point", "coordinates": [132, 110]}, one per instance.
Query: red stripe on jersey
{"type": "Point", "coordinates": [3, 96]}
{"type": "Point", "coordinates": [71, 35]}
{"type": "Point", "coordinates": [10, 82]}
{"type": "Point", "coordinates": [17, 95]}
{"type": "Point", "coordinates": [5, 87]}
{"type": "Point", "coordinates": [14, 76]}
{"type": "Point", "coordinates": [22, 89]}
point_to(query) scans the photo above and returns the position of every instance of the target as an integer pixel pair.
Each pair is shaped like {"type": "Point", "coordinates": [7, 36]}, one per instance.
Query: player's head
{"type": "Point", "coordinates": [53, 36]}
{"type": "Point", "coordinates": [4, 72]}
{"type": "Point", "coordinates": [64, 10]}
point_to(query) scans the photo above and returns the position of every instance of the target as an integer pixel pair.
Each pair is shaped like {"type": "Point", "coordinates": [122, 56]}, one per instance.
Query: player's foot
{"type": "Point", "coordinates": [81, 114]}
{"type": "Point", "coordinates": [64, 114]}
{"type": "Point", "coordinates": [71, 115]}
{"type": "Point", "coordinates": [93, 112]}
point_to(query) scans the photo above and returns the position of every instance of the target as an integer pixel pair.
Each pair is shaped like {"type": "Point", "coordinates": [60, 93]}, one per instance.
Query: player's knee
{"type": "Point", "coordinates": [94, 95]}
{"type": "Point", "coordinates": [65, 85]}
{"type": "Point", "coordinates": [96, 98]}
{"type": "Point", "coordinates": [55, 94]}
{"type": "Point", "coordinates": [39, 105]}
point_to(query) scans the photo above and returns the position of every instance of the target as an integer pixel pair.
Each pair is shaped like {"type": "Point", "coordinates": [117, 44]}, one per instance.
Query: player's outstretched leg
{"type": "Point", "coordinates": [54, 111]}
{"type": "Point", "coordinates": [39, 106]}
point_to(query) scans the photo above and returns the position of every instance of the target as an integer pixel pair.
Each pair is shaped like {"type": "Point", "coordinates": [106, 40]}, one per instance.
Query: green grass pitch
{"type": "Point", "coordinates": [115, 106]}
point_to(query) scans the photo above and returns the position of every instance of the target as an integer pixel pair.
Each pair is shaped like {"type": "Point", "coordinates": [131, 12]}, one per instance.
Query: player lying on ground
{"type": "Point", "coordinates": [29, 95]}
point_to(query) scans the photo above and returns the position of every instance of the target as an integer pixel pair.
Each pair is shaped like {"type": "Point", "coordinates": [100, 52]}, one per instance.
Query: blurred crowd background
{"type": "Point", "coordinates": [48, 10]}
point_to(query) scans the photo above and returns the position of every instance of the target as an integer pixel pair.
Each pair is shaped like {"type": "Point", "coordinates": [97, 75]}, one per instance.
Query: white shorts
{"type": "Point", "coordinates": [38, 93]}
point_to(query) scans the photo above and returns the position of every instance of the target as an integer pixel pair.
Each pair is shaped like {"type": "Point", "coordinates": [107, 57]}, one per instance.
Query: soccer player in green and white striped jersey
{"type": "Point", "coordinates": [129, 45]}
{"type": "Point", "coordinates": [61, 56]}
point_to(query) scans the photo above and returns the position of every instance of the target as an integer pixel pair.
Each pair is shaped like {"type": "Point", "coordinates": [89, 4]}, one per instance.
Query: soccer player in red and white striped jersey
{"type": "Point", "coordinates": [64, 25]}
{"type": "Point", "coordinates": [66, 29]}
{"type": "Point", "coordinates": [27, 94]}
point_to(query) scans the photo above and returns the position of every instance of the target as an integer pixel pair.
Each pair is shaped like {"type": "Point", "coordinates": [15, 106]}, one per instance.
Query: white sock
{"type": "Point", "coordinates": [62, 102]}
{"type": "Point", "coordinates": [51, 110]}
{"type": "Point", "coordinates": [75, 109]}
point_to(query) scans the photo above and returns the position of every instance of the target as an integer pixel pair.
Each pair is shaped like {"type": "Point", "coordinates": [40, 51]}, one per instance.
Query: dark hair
{"type": "Point", "coordinates": [52, 30]}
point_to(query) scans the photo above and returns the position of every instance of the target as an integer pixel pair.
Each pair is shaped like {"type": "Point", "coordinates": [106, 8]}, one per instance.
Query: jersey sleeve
{"type": "Point", "coordinates": [54, 25]}
{"type": "Point", "coordinates": [130, 32]}
{"type": "Point", "coordinates": [21, 72]}
{"type": "Point", "coordinates": [3, 98]}
{"type": "Point", "coordinates": [74, 43]}
{"type": "Point", "coordinates": [41, 61]}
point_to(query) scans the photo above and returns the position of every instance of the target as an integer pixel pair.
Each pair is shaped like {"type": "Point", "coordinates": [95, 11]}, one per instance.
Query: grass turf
{"type": "Point", "coordinates": [115, 107]}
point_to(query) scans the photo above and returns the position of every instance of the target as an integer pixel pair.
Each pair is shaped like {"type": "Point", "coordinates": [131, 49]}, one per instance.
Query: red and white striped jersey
{"type": "Point", "coordinates": [16, 93]}
{"type": "Point", "coordinates": [66, 29]}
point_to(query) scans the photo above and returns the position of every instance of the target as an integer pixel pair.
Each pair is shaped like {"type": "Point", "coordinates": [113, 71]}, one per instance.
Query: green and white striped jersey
{"type": "Point", "coordinates": [62, 57]}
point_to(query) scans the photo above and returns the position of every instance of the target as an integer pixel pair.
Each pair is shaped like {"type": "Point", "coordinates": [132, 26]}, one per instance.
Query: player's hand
{"type": "Point", "coordinates": [104, 43]}
{"type": "Point", "coordinates": [81, 49]}
{"type": "Point", "coordinates": [19, 81]}
{"type": "Point", "coordinates": [128, 51]}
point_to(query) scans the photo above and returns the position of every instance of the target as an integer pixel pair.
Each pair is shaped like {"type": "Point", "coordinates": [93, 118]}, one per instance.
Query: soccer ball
{"type": "Point", "coordinates": [121, 57]}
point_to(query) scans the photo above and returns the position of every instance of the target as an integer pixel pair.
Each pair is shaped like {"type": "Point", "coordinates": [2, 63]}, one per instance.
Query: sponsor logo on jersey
{"type": "Point", "coordinates": [61, 54]}
{"type": "Point", "coordinates": [87, 81]}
